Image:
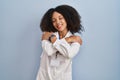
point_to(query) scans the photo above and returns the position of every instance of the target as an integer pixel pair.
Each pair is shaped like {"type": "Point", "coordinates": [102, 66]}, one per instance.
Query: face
{"type": "Point", "coordinates": [59, 22]}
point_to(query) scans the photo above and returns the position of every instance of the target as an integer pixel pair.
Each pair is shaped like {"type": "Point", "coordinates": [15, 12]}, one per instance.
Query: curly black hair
{"type": "Point", "coordinates": [70, 14]}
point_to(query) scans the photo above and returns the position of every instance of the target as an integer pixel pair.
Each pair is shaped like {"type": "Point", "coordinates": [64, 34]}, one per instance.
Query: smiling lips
{"type": "Point", "coordinates": [59, 25]}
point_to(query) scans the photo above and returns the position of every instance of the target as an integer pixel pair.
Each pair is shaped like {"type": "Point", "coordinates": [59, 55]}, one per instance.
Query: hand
{"type": "Point", "coordinates": [46, 35]}
{"type": "Point", "coordinates": [53, 39]}
{"type": "Point", "coordinates": [74, 39]}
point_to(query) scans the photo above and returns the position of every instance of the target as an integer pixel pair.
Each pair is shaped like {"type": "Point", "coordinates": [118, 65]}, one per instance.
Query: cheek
{"type": "Point", "coordinates": [54, 25]}
{"type": "Point", "coordinates": [65, 23]}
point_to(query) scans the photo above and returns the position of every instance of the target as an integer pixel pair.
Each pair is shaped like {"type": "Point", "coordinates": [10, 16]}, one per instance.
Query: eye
{"type": "Point", "coordinates": [53, 20]}
{"type": "Point", "coordinates": [60, 18]}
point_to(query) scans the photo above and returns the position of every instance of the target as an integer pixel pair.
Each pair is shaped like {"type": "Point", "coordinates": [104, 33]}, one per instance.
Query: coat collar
{"type": "Point", "coordinates": [67, 35]}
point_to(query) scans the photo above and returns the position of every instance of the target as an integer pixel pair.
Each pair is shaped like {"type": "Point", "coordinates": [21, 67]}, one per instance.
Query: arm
{"type": "Point", "coordinates": [66, 49]}
{"type": "Point", "coordinates": [69, 46]}
{"type": "Point", "coordinates": [46, 45]}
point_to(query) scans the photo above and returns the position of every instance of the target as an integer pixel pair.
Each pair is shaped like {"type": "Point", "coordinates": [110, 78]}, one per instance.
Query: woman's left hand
{"type": "Point", "coordinates": [74, 39]}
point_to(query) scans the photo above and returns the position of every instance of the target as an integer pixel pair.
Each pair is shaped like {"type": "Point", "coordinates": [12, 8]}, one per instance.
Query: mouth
{"type": "Point", "coordinates": [59, 26]}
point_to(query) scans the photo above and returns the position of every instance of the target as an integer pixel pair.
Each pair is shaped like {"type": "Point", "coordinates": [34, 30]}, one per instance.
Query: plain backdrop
{"type": "Point", "coordinates": [20, 45]}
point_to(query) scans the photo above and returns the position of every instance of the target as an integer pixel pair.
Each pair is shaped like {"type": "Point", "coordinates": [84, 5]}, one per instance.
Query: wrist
{"type": "Point", "coordinates": [68, 39]}
{"type": "Point", "coordinates": [51, 38]}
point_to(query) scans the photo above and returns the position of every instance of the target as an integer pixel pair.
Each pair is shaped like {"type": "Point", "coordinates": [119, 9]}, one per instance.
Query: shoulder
{"type": "Point", "coordinates": [79, 36]}
{"type": "Point", "coordinates": [75, 34]}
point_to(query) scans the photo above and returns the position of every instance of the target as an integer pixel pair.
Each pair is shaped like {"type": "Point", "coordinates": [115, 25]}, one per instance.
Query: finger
{"type": "Point", "coordinates": [80, 42]}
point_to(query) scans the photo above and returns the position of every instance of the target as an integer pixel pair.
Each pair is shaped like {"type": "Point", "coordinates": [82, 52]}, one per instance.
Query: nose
{"type": "Point", "coordinates": [58, 21]}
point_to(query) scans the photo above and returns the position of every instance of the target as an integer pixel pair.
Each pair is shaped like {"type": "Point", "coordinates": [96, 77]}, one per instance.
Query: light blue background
{"type": "Point", "coordinates": [20, 46]}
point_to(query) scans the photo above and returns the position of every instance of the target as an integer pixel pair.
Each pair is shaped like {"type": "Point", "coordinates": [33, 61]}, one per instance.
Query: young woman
{"type": "Point", "coordinates": [59, 42]}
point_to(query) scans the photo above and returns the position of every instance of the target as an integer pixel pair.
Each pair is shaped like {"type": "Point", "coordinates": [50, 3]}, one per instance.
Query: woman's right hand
{"type": "Point", "coordinates": [46, 35]}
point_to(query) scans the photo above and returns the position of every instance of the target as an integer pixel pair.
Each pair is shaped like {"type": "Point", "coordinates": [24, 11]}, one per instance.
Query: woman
{"type": "Point", "coordinates": [59, 42]}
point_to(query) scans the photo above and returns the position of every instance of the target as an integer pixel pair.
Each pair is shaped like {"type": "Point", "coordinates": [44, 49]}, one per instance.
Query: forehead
{"type": "Point", "coordinates": [56, 14]}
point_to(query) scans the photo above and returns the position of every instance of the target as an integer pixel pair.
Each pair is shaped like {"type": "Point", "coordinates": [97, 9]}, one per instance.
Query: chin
{"type": "Point", "coordinates": [60, 30]}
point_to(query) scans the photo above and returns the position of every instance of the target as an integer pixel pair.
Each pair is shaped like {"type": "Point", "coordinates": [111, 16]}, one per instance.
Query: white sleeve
{"type": "Point", "coordinates": [48, 47]}
{"type": "Point", "coordinates": [66, 49]}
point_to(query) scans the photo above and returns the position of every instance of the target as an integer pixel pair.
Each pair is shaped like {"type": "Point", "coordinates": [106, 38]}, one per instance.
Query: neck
{"type": "Point", "coordinates": [62, 34]}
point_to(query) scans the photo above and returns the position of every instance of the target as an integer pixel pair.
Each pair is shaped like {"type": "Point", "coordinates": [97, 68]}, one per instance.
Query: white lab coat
{"type": "Point", "coordinates": [60, 67]}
